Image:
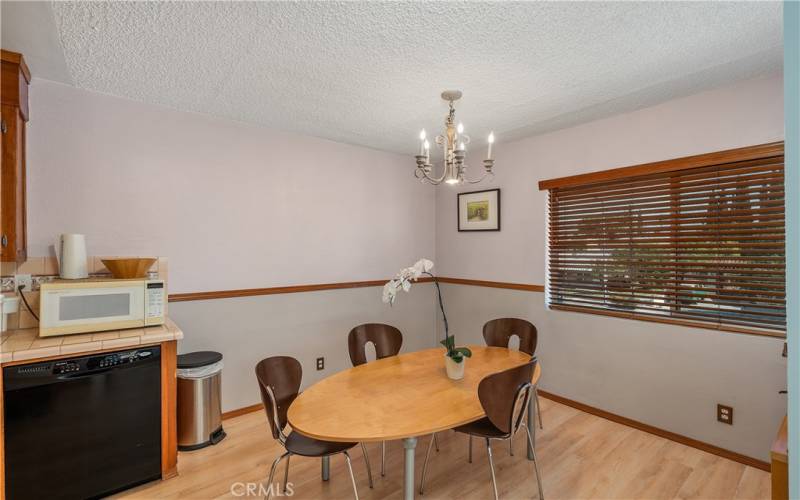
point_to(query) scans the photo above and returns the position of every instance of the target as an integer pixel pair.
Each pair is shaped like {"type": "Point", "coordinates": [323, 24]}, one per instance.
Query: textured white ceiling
{"type": "Point", "coordinates": [370, 73]}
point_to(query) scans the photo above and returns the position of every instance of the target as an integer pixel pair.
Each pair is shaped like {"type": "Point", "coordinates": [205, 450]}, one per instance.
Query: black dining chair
{"type": "Point", "coordinates": [503, 397]}
{"type": "Point", "coordinates": [498, 333]}
{"type": "Point", "coordinates": [387, 341]}
{"type": "Point", "coordinates": [279, 380]}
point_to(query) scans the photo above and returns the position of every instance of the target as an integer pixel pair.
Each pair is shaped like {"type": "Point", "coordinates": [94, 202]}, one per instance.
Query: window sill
{"type": "Point", "coordinates": [671, 321]}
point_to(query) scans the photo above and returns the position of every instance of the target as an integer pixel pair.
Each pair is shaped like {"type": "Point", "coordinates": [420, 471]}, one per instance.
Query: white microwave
{"type": "Point", "coordinates": [94, 305]}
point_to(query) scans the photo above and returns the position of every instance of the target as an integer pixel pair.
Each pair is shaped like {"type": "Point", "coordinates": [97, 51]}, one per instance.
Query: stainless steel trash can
{"type": "Point", "coordinates": [199, 403]}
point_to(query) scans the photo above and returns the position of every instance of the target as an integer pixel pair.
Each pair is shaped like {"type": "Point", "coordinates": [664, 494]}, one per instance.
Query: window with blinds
{"type": "Point", "coordinates": [697, 241]}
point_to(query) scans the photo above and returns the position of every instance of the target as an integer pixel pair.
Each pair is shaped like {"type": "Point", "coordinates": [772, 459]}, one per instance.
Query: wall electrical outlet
{"type": "Point", "coordinates": [23, 279]}
{"type": "Point", "coordinates": [725, 414]}
{"type": "Point", "coordinates": [320, 363]}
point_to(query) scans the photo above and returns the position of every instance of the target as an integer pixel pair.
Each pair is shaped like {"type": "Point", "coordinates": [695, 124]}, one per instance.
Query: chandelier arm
{"type": "Point", "coordinates": [430, 179]}
{"type": "Point", "coordinates": [486, 174]}
{"type": "Point", "coordinates": [444, 172]}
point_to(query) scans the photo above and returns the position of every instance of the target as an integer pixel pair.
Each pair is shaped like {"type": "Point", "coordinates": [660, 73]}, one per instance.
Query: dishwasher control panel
{"type": "Point", "coordinates": [61, 367]}
{"type": "Point", "coordinates": [21, 376]}
{"type": "Point", "coordinates": [96, 362]}
{"type": "Point", "coordinates": [117, 359]}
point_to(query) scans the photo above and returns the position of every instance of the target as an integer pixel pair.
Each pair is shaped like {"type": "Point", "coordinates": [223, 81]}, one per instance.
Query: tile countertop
{"type": "Point", "coordinates": [26, 345]}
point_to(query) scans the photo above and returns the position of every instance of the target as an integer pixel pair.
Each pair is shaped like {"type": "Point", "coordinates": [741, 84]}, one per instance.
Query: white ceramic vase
{"type": "Point", "coordinates": [454, 370]}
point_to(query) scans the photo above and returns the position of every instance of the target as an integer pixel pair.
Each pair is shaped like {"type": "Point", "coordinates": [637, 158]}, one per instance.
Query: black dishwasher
{"type": "Point", "coordinates": [82, 427]}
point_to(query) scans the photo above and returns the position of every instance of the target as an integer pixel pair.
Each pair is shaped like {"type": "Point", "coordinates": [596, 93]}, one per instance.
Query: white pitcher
{"type": "Point", "coordinates": [71, 256]}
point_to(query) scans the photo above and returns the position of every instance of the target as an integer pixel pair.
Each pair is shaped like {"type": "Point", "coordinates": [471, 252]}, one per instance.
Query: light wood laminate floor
{"type": "Point", "coordinates": [580, 455]}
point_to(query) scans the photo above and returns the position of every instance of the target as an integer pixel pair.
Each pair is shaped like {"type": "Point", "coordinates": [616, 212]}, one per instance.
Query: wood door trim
{"type": "Point", "coordinates": [251, 292]}
{"type": "Point", "coordinates": [702, 160]}
{"type": "Point", "coordinates": [780, 447]}
{"type": "Point", "coordinates": [672, 436]}
{"type": "Point", "coordinates": [780, 463]}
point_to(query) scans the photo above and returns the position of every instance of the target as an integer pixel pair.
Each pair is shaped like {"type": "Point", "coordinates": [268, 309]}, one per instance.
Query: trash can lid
{"type": "Point", "coordinates": [198, 358]}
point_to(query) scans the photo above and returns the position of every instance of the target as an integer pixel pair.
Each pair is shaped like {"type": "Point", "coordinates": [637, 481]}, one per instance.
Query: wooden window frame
{"type": "Point", "coordinates": [770, 151]}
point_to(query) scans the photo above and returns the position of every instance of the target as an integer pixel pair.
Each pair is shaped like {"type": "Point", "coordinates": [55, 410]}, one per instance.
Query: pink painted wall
{"type": "Point", "coordinates": [232, 205]}
{"type": "Point", "coordinates": [740, 115]}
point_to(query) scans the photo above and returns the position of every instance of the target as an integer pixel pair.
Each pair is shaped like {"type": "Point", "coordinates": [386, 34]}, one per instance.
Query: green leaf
{"type": "Point", "coordinates": [465, 351]}
{"type": "Point", "coordinates": [449, 343]}
{"type": "Point", "coordinates": [457, 357]}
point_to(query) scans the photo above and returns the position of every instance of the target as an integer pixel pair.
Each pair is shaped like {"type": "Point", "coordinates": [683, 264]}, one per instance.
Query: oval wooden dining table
{"type": "Point", "coordinates": [400, 397]}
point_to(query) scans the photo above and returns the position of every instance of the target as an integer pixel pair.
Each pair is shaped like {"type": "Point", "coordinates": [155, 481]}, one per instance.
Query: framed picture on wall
{"type": "Point", "coordinates": [479, 210]}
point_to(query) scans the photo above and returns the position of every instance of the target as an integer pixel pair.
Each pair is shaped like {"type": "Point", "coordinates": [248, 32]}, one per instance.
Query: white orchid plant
{"type": "Point", "coordinates": [402, 281]}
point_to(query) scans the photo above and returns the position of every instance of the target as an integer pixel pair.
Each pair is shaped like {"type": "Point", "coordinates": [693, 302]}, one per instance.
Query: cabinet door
{"type": "Point", "coordinates": [13, 242]}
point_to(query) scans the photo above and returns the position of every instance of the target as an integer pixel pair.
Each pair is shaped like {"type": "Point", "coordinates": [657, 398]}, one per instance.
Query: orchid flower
{"type": "Point", "coordinates": [402, 281]}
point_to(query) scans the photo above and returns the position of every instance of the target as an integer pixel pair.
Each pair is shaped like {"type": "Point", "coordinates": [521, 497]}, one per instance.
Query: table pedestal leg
{"type": "Point", "coordinates": [408, 474]}
{"type": "Point", "coordinates": [326, 468]}
{"type": "Point", "coordinates": [531, 422]}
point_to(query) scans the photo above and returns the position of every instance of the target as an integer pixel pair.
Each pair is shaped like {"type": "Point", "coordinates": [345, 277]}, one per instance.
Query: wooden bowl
{"type": "Point", "coordinates": [128, 268]}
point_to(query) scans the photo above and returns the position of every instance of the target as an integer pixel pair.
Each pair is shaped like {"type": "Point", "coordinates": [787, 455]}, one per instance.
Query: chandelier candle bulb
{"type": "Point", "coordinates": [491, 141]}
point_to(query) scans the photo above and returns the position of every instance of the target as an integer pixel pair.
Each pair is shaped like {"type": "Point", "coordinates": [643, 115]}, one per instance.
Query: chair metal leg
{"type": "Point", "coordinates": [366, 460]}
{"type": "Point", "coordinates": [470, 449]}
{"type": "Point", "coordinates": [286, 474]}
{"type": "Point", "coordinates": [511, 445]}
{"type": "Point", "coordinates": [352, 477]}
{"type": "Point", "coordinates": [491, 466]}
{"type": "Point", "coordinates": [383, 458]}
{"type": "Point", "coordinates": [538, 406]}
{"type": "Point", "coordinates": [436, 442]}
{"type": "Point", "coordinates": [530, 423]}
{"type": "Point", "coordinates": [425, 466]}
{"type": "Point", "coordinates": [535, 465]}
{"type": "Point", "coordinates": [272, 474]}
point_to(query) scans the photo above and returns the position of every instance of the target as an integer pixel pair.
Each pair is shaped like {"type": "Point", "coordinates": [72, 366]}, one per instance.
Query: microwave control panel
{"type": "Point", "coordinates": [155, 298]}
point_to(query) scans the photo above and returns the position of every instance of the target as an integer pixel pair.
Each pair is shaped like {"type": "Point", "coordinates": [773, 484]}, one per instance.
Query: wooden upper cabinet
{"type": "Point", "coordinates": [14, 80]}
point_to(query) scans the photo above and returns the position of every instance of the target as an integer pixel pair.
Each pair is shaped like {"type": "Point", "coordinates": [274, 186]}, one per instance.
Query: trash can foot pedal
{"type": "Point", "coordinates": [217, 436]}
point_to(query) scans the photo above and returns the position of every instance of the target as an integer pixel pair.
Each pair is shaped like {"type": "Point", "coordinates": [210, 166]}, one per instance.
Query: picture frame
{"type": "Point", "coordinates": [479, 210]}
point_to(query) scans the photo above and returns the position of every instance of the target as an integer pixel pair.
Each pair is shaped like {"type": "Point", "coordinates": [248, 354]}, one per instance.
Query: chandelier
{"type": "Point", "coordinates": [454, 150]}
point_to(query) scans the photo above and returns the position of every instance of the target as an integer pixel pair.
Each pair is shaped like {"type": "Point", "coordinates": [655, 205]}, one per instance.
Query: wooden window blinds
{"type": "Point", "coordinates": [697, 241]}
